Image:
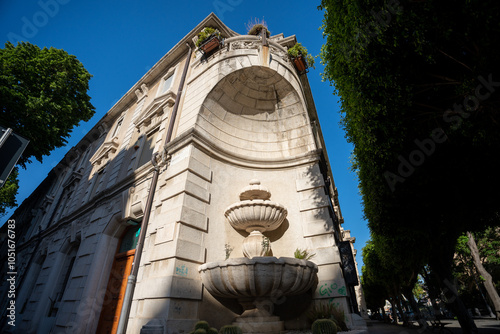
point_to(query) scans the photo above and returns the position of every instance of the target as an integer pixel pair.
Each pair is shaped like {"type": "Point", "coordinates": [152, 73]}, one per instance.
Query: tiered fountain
{"type": "Point", "coordinates": [258, 281]}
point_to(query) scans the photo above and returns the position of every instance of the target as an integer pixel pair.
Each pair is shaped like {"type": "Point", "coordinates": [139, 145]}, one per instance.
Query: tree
{"type": "Point", "coordinates": [9, 191]}
{"type": "Point", "coordinates": [392, 262]}
{"type": "Point", "coordinates": [488, 280]}
{"type": "Point", "coordinates": [488, 242]}
{"type": "Point", "coordinates": [418, 83]}
{"type": "Point", "coordinates": [374, 284]}
{"type": "Point", "coordinates": [43, 95]}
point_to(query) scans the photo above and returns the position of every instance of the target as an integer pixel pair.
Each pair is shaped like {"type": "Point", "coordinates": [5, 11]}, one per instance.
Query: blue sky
{"type": "Point", "coordinates": [118, 41]}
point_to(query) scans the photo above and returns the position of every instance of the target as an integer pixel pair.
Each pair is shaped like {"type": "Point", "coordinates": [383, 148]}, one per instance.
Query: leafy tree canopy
{"type": "Point", "coordinates": [8, 192]}
{"type": "Point", "coordinates": [418, 83]}
{"type": "Point", "coordinates": [43, 95]}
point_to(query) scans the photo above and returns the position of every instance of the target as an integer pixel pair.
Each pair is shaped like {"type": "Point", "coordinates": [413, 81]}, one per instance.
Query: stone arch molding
{"type": "Point", "coordinates": [255, 113]}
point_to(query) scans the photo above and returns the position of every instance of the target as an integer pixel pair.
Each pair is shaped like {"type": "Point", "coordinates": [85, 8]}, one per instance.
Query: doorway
{"type": "Point", "coordinates": [117, 283]}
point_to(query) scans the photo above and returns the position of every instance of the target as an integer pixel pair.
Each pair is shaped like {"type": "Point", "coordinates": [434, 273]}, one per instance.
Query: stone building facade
{"type": "Point", "coordinates": [214, 124]}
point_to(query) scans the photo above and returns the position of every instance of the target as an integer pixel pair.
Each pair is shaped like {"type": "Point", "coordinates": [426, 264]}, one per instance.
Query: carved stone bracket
{"type": "Point", "coordinates": [134, 208]}
{"type": "Point", "coordinates": [47, 201]}
{"type": "Point", "coordinates": [142, 92]}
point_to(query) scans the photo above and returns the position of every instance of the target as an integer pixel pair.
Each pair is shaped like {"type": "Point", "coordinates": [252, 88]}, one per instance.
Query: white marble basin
{"type": "Point", "coordinates": [256, 215]}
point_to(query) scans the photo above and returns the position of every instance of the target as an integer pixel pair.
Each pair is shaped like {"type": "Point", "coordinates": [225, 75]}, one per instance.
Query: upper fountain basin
{"type": "Point", "coordinates": [256, 215]}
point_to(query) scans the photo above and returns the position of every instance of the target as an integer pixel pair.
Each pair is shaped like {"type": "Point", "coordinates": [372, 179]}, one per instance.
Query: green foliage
{"type": "Point", "coordinates": [419, 291]}
{"type": "Point", "coordinates": [303, 254]}
{"type": "Point", "coordinates": [330, 312]}
{"type": "Point", "coordinates": [298, 50]}
{"type": "Point", "coordinates": [202, 325]}
{"type": "Point", "coordinates": [464, 270]}
{"type": "Point", "coordinates": [320, 311]}
{"type": "Point", "coordinates": [205, 34]}
{"type": "Point", "coordinates": [228, 249]}
{"type": "Point", "coordinates": [324, 326]}
{"type": "Point", "coordinates": [404, 70]}
{"type": "Point", "coordinates": [43, 95]}
{"type": "Point", "coordinates": [9, 191]}
{"type": "Point", "coordinates": [230, 329]}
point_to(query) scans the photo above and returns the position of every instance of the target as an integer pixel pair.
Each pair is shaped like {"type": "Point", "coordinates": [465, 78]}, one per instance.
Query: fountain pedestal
{"type": "Point", "coordinates": [257, 316]}
{"type": "Point", "coordinates": [271, 324]}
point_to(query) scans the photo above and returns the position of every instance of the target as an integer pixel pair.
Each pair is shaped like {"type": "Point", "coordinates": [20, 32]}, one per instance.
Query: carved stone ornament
{"type": "Point", "coordinates": [151, 115]}
{"type": "Point", "coordinates": [244, 45]}
{"type": "Point", "coordinates": [280, 53]}
{"type": "Point", "coordinates": [104, 152]}
{"type": "Point", "coordinates": [74, 178]}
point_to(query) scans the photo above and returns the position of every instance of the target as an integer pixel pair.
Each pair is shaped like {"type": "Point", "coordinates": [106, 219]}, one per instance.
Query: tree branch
{"type": "Point", "coordinates": [458, 61]}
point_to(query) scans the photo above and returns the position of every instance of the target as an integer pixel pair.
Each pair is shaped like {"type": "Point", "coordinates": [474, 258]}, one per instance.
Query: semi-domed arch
{"type": "Point", "coordinates": [256, 114]}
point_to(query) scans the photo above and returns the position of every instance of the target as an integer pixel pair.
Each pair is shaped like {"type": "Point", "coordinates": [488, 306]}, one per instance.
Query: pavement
{"type": "Point", "coordinates": [485, 326]}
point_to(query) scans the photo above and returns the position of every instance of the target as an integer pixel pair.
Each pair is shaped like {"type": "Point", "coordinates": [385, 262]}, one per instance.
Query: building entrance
{"type": "Point", "coordinates": [113, 300]}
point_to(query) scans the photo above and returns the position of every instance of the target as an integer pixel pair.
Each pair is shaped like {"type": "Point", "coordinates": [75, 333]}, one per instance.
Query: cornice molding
{"type": "Point", "coordinates": [196, 137]}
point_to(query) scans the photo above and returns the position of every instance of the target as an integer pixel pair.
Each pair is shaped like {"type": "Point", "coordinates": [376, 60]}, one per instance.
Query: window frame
{"type": "Point", "coordinates": [118, 127]}
{"type": "Point", "coordinates": [170, 74]}
{"type": "Point", "coordinates": [99, 174]}
{"type": "Point", "coordinates": [153, 133]}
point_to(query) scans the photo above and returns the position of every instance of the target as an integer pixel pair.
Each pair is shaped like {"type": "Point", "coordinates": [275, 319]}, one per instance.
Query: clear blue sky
{"type": "Point", "coordinates": [118, 41]}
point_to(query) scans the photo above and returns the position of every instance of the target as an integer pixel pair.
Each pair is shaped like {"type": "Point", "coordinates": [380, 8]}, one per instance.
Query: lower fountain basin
{"type": "Point", "coordinates": [247, 279]}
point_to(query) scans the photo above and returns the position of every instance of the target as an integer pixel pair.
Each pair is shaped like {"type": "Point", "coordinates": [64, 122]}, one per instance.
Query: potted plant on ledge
{"type": "Point", "coordinates": [257, 28]}
{"type": "Point", "coordinates": [254, 27]}
{"type": "Point", "coordinates": [301, 58]}
{"type": "Point", "coordinates": [209, 39]}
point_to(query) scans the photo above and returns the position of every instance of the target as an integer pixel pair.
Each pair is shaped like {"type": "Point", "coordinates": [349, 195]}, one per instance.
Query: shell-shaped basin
{"type": "Point", "coordinates": [256, 215]}
{"type": "Point", "coordinates": [258, 277]}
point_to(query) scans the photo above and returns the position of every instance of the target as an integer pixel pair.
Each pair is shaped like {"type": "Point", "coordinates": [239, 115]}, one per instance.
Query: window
{"type": "Point", "coordinates": [34, 273]}
{"type": "Point", "coordinates": [148, 148]}
{"type": "Point", "coordinates": [167, 82]}
{"type": "Point", "coordinates": [129, 240]}
{"type": "Point", "coordinates": [62, 283]}
{"type": "Point", "coordinates": [98, 178]}
{"type": "Point", "coordinates": [84, 156]}
{"type": "Point", "coordinates": [62, 207]}
{"type": "Point", "coordinates": [117, 128]}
